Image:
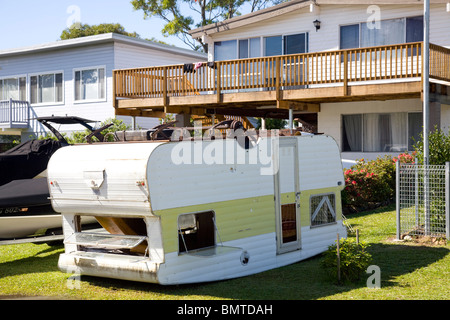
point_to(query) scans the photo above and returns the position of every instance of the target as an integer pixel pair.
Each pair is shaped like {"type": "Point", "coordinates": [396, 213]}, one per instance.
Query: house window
{"type": "Point", "coordinates": [46, 88]}
{"type": "Point", "coordinates": [13, 88]}
{"type": "Point", "coordinates": [90, 84]}
{"type": "Point", "coordinates": [196, 231]}
{"type": "Point", "coordinates": [249, 48]}
{"type": "Point", "coordinates": [225, 50]}
{"type": "Point", "coordinates": [388, 32]}
{"type": "Point", "coordinates": [323, 209]}
{"type": "Point", "coordinates": [233, 49]}
{"type": "Point", "coordinates": [287, 44]}
{"type": "Point", "coordinates": [349, 36]}
{"type": "Point", "coordinates": [380, 132]}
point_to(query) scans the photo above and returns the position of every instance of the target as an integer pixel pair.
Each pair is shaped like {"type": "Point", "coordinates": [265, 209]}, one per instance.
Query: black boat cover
{"type": "Point", "coordinates": [26, 160]}
{"type": "Point", "coordinates": [23, 193]}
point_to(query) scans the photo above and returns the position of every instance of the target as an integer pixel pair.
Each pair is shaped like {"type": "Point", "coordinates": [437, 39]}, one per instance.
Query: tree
{"type": "Point", "coordinates": [84, 30]}
{"type": "Point", "coordinates": [179, 14]}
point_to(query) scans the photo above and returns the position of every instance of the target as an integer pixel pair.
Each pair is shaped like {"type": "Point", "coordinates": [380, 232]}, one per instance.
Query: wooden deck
{"type": "Point", "coordinates": [270, 86]}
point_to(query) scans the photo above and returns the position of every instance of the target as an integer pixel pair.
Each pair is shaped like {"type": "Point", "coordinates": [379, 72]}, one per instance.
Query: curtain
{"type": "Point", "coordinates": [89, 84]}
{"type": "Point", "coordinates": [353, 131]}
{"type": "Point", "coordinates": [398, 131]}
{"type": "Point", "coordinates": [46, 88]}
{"type": "Point", "coordinates": [11, 89]}
{"type": "Point", "coordinates": [371, 140]}
{"type": "Point", "coordinates": [255, 47]}
{"type": "Point", "coordinates": [389, 32]}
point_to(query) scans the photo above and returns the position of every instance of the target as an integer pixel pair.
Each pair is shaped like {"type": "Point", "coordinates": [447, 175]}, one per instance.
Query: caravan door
{"type": "Point", "coordinates": [287, 196]}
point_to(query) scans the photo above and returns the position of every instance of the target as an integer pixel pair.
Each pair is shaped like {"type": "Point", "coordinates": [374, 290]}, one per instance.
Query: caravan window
{"type": "Point", "coordinates": [196, 231]}
{"type": "Point", "coordinates": [323, 209]}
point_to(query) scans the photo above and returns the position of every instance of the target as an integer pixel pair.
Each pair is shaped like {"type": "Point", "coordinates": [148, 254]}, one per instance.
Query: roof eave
{"type": "Point", "coordinates": [97, 39]}
{"type": "Point", "coordinates": [249, 18]}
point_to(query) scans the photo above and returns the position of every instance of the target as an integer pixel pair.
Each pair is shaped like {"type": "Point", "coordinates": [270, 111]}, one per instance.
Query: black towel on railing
{"type": "Point", "coordinates": [188, 67]}
{"type": "Point", "coordinates": [212, 65]}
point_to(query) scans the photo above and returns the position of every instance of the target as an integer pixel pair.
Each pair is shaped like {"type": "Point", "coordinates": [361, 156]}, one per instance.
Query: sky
{"type": "Point", "coordinates": [31, 22]}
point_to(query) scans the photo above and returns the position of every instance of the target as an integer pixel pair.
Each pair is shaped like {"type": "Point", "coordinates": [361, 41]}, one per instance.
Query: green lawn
{"type": "Point", "coordinates": [408, 271]}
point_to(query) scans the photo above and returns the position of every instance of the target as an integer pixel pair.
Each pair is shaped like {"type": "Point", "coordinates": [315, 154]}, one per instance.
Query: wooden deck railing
{"type": "Point", "coordinates": [283, 72]}
{"type": "Point", "coordinates": [14, 113]}
{"type": "Point", "coordinates": [439, 63]}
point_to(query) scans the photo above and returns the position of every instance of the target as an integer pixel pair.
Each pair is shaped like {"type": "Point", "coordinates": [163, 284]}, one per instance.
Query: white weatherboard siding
{"type": "Point", "coordinates": [128, 56]}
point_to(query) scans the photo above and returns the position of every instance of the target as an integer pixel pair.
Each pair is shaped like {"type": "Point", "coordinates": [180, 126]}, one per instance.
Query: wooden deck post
{"type": "Point", "coordinates": [278, 78]}
{"type": "Point", "coordinates": [114, 89]}
{"type": "Point", "coordinates": [219, 82]}
{"type": "Point", "coordinates": [165, 88]}
{"type": "Point", "coordinates": [345, 73]}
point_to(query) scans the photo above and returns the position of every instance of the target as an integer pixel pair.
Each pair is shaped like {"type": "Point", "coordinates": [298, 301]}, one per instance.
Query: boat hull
{"type": "Point", "coordinates": [14, 227]}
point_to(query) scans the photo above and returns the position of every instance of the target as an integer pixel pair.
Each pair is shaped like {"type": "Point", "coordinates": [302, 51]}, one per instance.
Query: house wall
{"type": "Point", "coordinates": [331, 17]}
{"type": "Point", "coordinates": [66, 61]}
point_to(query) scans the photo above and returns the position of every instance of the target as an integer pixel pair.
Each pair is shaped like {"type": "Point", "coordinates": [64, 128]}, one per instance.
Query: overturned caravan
{"type": "Point", "coordinates": [197, 211]}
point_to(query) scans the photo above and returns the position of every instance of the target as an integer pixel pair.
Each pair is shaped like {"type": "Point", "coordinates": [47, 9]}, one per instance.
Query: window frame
{"type": "Point", "coordinates": [283, 40]}
{"type": "Point", "coordinates": [182, 241]}
{"type": "Point", "coordinates": [18, 77]}
{"type": "Point", "coordinates": [80, 101]}
{"type": "Point", "coordinates": [38, 74]}
{"type": "Point", "coordinates": [361, 23]}
{"type": "Point", "coordinates": [408, 138]}
{"type": "Point", "coordinates": [262, 41]}
{"type": "Point", "coordinates": [311, 212]}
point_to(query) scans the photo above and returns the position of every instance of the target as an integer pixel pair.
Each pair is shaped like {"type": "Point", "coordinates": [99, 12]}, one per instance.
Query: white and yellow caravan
{"type": "Point", "coordinates": [197, 211]}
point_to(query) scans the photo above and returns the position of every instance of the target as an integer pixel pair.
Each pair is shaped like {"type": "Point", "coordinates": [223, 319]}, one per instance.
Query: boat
{"type": "Point", "coordinates": [25, 208]}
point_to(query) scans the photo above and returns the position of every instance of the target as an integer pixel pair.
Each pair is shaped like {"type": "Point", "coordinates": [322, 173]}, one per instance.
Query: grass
{"type": "Point", "coordinates": [408, 271]}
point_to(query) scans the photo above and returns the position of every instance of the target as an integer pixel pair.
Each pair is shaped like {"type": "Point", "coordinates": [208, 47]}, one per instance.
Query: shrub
{"type": "Point", "coordinates": [438, 145]}
{"type": "Point", "coordinates": [80, 136]}
{"type": "Point", "coordinates": [354, 260]}
{"type": "Point", "coordinates": [369, 184]}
